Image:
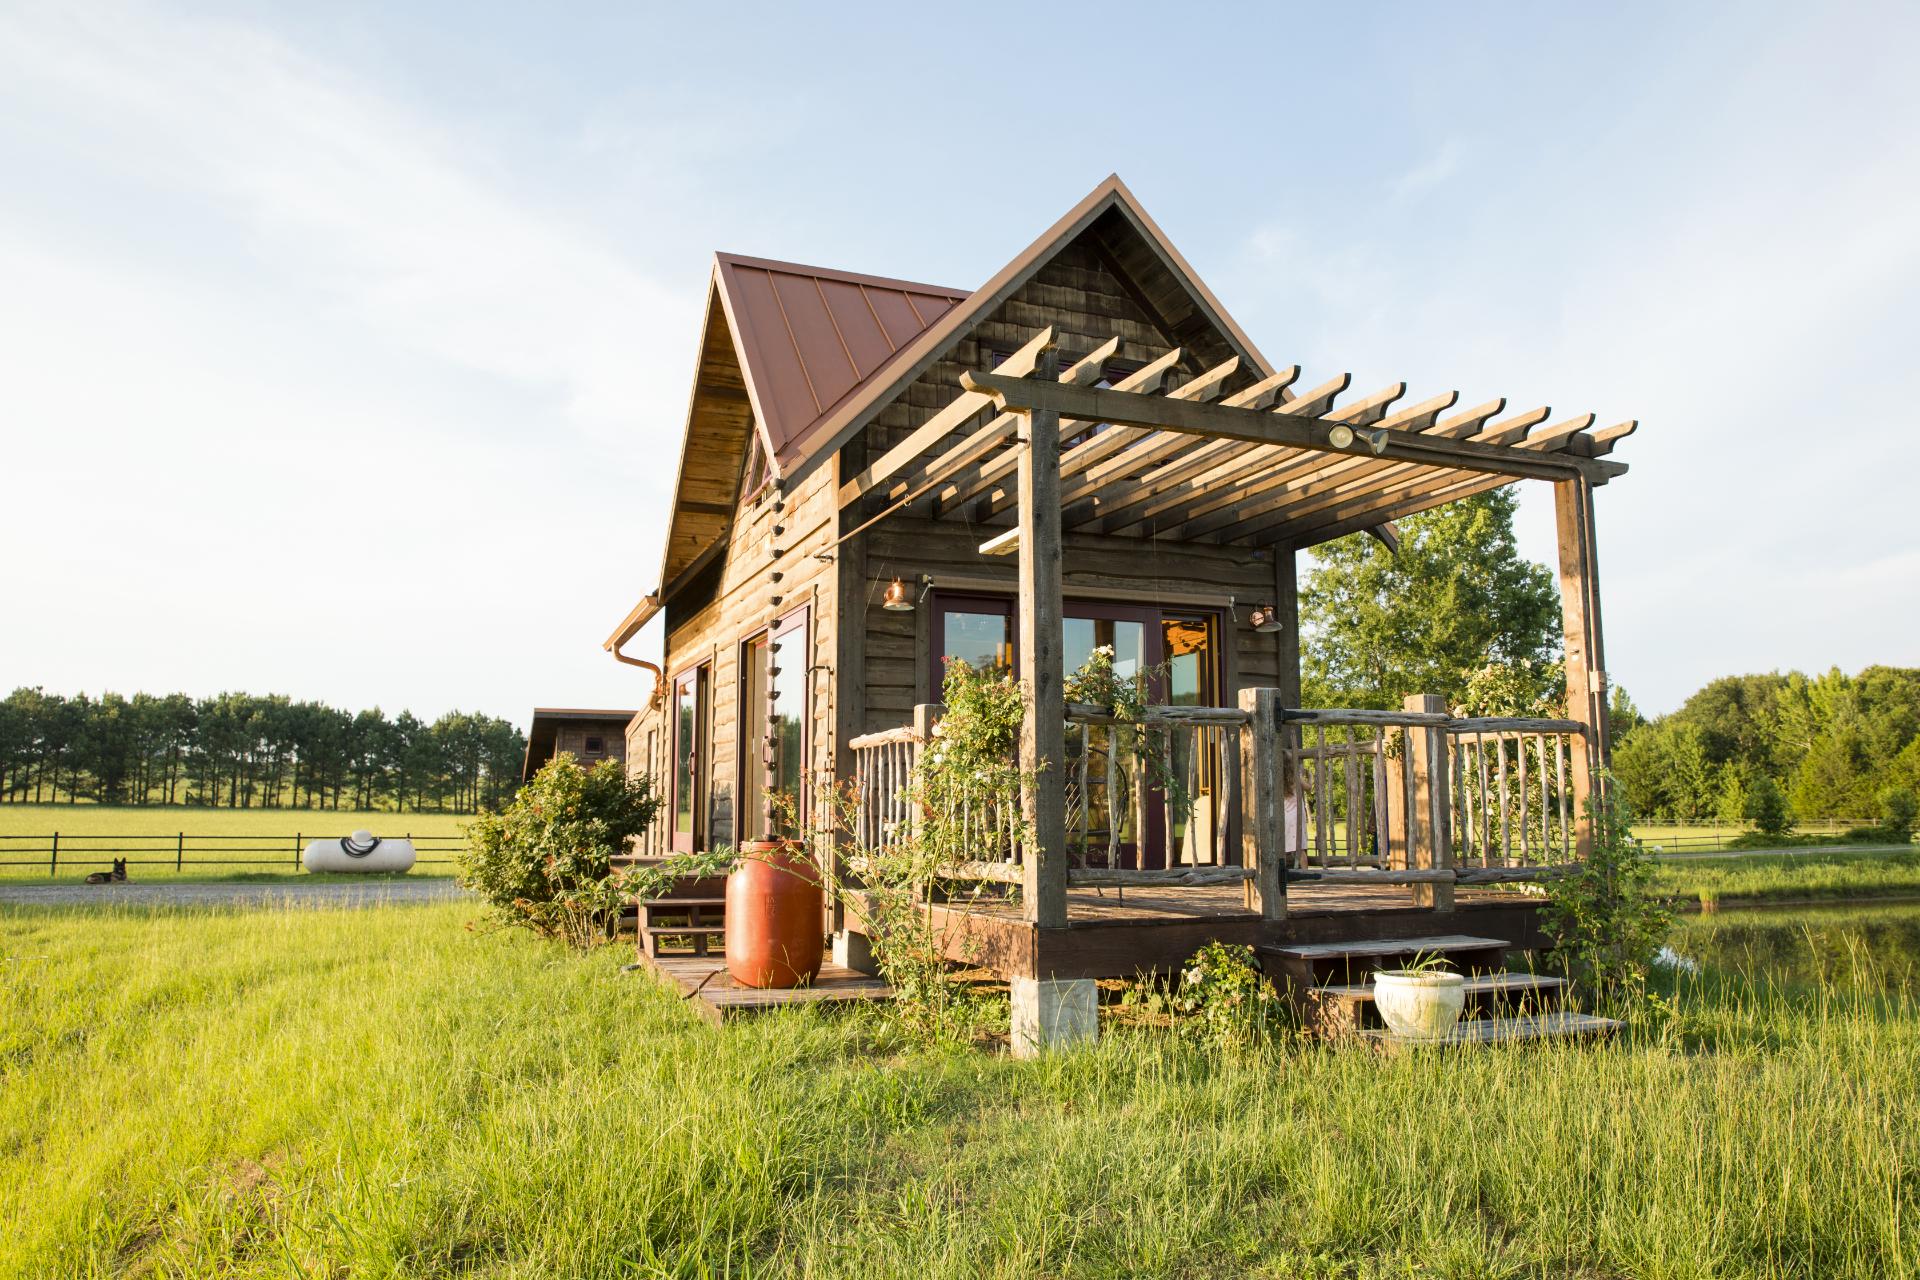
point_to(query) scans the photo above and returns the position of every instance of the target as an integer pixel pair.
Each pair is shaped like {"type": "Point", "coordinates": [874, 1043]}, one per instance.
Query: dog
{"type": "Point", "coordinates": [116, 876]}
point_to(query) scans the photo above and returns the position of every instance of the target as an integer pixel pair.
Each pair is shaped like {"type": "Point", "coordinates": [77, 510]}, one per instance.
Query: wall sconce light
{"type": "Point", "coordinates": [1266, 619]}
{"type": "Point", "coordinates": [898, 600]}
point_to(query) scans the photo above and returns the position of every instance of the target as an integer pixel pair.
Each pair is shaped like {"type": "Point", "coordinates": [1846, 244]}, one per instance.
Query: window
{"type": "Point", "coordinates": [773, 728]}
{"type": "Point", "coordinates": [596, 745]}
{"type": "Point", "coordinates": [689, 757]}
{"type": "Point", "coordinates": [975, 629]}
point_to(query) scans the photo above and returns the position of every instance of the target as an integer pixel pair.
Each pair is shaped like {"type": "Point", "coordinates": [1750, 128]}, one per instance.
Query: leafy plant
{"type": "Point", "coordinates": [545, 863]}
{"type": "Point", "coordinates": [1427, 962]}
{"type": "Point", "coordinates": [1604, 923]}
{"type": "Point", "coordinates": [1766, 807]}
{"type": "Point", "coordinates": [1898, 809]}
{"type": "Point", "coordinates": [1232, 1001]}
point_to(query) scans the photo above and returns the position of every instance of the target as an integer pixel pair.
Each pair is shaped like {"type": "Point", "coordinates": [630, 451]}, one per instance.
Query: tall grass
{"type": "Point", "coordinates": [282, 1092]}
{"type": "Point", "coordinates": [1790, 877]}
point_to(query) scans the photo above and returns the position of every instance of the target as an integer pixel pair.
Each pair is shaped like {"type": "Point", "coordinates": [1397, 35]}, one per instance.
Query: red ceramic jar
{"type": "Point", "coordinates": [775, 907]}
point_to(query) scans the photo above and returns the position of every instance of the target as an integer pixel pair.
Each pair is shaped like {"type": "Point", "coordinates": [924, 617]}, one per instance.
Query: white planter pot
{"type": "Point", "coordinates": [1419, 1006]}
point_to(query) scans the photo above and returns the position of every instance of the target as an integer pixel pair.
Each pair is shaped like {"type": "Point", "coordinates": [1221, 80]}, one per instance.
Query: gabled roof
{"type": "Point", "coordinates": [1179, 296]}
{"type": "Point", "coordinates": [810, 339]}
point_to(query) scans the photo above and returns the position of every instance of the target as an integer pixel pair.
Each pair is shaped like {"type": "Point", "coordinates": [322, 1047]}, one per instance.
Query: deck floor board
{"type": "Point", "coordinates": [704, 981]}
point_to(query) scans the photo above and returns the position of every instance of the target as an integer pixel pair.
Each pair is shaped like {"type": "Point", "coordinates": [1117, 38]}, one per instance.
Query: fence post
{"type": "Point", "coordinates": [180, 851]}
{"type": "Point", "coordinates": [53, 859]}
{"type": "Point", "coordinates": [1429, 841]}
{"type": "Point", "coordinates": [296, 849]}
{"type": "Point", "coordinates": [1262, 801]}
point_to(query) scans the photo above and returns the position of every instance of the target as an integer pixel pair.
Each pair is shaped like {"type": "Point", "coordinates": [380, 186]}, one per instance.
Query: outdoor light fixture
{"type": "Point", "coordinates": [1377, 441]}
{"type": "Point", "coordinates": [1266, 618]}
{"type": "Point", "coordinates": [898, 600]}
{"type": "Point", "coordinates": [1340, 435]}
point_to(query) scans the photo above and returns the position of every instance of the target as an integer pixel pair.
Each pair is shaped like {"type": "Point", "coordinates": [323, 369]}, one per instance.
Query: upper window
{"type": "Point", "coordinates": [596, 745]}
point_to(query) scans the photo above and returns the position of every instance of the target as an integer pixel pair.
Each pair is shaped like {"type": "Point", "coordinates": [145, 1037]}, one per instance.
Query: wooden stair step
{"type": "Point", "coordinates": [679, 903]}
{"type": "Point", "coordinates": [1442, 944]}
{"type": "Point", "coordinates": [1559, 1025]}
{"type": "Point", "coordinates": [685, 930]}
{"type": "Point", "coordinates": [1502, 983]}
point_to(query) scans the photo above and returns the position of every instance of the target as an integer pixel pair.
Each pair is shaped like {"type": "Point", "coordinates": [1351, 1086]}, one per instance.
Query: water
{"type": "Point", "coordinates": [1859, 948]}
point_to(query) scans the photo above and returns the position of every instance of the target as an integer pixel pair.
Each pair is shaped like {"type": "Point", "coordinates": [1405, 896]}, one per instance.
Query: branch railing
{"type": "Point", "coordinates": [1512, 792]}
{"type": "Point", "coordinates": [1411, 797]}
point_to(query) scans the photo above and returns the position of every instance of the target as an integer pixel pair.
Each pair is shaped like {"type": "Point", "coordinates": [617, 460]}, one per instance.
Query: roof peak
{"type": "Point", "coordinates": [724, 259]}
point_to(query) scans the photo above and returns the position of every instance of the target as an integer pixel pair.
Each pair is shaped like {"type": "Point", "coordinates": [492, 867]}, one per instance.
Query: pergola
{"type": "Point", "coordinates": [1263, 466]}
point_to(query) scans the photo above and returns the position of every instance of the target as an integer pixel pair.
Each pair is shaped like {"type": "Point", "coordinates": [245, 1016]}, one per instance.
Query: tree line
{"type": "Point", "coordinates": [1826, 746]}
{"type": "Point", "coordinates": [244, 751]}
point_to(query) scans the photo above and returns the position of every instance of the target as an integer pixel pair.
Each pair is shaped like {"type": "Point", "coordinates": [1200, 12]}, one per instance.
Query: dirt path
{"type": "Point", "coordinates": [229, 893]}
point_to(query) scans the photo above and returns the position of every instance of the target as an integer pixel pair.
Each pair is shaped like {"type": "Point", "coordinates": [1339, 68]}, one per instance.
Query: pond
{"type": "Point", "coordinates": [1856, 948]}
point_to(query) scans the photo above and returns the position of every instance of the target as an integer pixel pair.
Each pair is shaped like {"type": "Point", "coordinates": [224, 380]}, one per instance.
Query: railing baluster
{"type": "Point", "coordinates": [1500, 766]}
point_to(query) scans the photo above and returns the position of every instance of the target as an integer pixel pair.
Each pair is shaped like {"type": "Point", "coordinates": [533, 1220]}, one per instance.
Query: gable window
{"type": "Point", "coordinates": [753, 473]}
{"type": "Point", "coordinates": [689, 756]}
{"type": "Point", "coordinates": [596, 745]}
{"type": "Point", "coordinates": [773, 728]}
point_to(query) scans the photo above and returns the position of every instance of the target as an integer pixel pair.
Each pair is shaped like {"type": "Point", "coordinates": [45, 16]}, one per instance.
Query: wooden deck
{"type": "Point", "coordinates": [1114, 935]}
{"type": "Point", "coordinates": [704, 982]}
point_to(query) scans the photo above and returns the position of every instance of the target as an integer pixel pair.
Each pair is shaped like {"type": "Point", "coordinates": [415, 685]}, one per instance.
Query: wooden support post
{"type": "Point", "coordinates": [1428, 842]}
{"type": "Point", "coordinates": [849, 683]}
{"type": "Point", "coordinates": [1043, 732]}
{"type": "Point", "coordinates": [1586, 658]}
{"type": "Point", "coordinates": [1286, 603]}
{"type": "Point", "coordinates": [1263, 798]}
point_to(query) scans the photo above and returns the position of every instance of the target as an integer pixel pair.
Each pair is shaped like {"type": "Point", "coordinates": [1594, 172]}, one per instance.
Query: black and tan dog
{"type": "Point", "coordinates": [116, 876]}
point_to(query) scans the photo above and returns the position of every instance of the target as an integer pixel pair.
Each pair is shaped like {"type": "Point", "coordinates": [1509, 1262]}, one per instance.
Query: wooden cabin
{"type": "Point", "coordinates": [1087, 450]}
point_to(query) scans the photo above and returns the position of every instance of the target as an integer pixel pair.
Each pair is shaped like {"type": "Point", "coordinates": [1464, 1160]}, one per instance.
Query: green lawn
{"type": "Point", "coordinates": [307, 1092]}
{"type": "Point", "coordinates": [1790, 877]}
{"type": "Point", "coordinates": [220, 843]}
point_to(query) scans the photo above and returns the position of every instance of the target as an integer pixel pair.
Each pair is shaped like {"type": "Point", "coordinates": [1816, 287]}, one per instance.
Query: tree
{"type": "Point", "coordinates": [1767, 808]}
{"type": "Point", "coordinates": [1455, 598]}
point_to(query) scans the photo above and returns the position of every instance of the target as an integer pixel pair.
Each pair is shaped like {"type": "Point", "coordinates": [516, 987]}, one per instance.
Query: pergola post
{"type": "Point", "coordinates": [1043, 733]}
{"type": "Point", "coordinates": [1585, 653]}
{"type": "Point", "coordinates": [1048, 1012]}
{"type": "Point", "coordinates": [1428, 838]}
{"type": "Point", "coordinates": [1286, 605]}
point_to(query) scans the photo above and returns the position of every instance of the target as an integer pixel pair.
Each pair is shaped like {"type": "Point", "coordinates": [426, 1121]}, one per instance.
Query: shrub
{"type": "Point", "coordinates": [1223, 985]}
{"type": "Point", "coordinates": [1604, 922]}
{"type": "Point", "coordinates": [546, 862]}
{"type": "Point", "coordinates": [1898, 809]}
{"type": "Point", "coordinates": [1767, 807]}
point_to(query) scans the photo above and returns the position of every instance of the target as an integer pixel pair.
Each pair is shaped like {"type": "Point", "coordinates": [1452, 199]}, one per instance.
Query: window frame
{"type": "Point", "coordinates": [777, 637]}
{"type": "Point", "coordinates": [698, 678]}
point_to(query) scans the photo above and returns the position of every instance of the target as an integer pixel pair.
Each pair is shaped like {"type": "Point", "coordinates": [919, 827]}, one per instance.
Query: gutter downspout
{"type": "Point", "coordinates": [641, 615]}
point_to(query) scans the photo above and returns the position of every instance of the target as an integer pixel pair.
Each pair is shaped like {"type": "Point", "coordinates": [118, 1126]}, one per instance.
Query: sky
{"type": "Point", "coordinates": [344, 349]}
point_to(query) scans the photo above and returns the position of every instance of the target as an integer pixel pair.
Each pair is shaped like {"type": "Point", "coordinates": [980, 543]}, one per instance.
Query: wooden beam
{"type": "Point", "coordinates": [957, 413]}
{"type": "Point", "coordinates": [1262, 469]}
{"type": "Point", "coordinates": [1043, 729]}
{"type": "Point", "coordinates": [1372, 477]}
{"type": "Point", "coordinates": [1286, 603]}
{"type": "Point", "coordinates": [1263, 825]}
{"type": "Point", "coordinates": [1438, 489]}
{"type": "Point", "coordinates": [1218, 421]}
{"type": "Point", "coordinates": [965, 489]}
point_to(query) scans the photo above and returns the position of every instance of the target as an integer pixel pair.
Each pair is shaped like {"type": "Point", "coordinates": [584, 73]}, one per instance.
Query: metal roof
{"type": "Point", "coordinates": [811, 338]}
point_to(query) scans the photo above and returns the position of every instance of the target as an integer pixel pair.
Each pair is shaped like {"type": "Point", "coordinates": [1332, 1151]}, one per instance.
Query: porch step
{"type": "Point", "coordinates": [1558, 1025]}
{"type": "Point", "coordinates": [693, 920]}
{"type": "Point", "coordinates": [1341, 1008]}
{"type": "Point", "coordinates": [1309, 965]}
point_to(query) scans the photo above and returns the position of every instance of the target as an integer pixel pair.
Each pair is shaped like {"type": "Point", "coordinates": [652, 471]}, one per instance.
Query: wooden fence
{"type": "Point", "coordinates": [182, 849]}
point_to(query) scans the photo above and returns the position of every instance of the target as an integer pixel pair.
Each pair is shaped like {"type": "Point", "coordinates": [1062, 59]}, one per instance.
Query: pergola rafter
{"type": "Point", "coordinates": [1202, 461]}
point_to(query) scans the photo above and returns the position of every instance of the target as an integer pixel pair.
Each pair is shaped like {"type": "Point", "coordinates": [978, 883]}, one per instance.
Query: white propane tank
{"type": "Point", "coordinates": [361, 851]}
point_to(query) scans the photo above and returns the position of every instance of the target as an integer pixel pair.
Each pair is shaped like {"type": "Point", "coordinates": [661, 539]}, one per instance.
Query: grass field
{"type": "Point", "coordinates": [1790, 877]}
{"type": "Point", "coordinates": [248, 844]}
{"type": "Point", "coordinates": [284, 1092]}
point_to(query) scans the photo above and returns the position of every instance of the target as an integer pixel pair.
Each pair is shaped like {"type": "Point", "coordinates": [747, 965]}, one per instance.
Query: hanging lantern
{"type": "Point", "coordinates": [897, 600]}
{"type": "Point", "coordinates": [1267, 619]}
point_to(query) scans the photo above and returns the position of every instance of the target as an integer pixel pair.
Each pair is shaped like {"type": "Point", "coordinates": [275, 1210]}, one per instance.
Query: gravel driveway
{"type": "Point", "coordinates": [217, 894]}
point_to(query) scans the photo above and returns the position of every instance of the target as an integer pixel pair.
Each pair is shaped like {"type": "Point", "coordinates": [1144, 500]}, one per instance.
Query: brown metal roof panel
{"type": "Point", "coordinates": [811, 327]}
{"type": "Point", "coordinates": [866, 342]}
{"type": "Point", "coordinates": [784, 395]}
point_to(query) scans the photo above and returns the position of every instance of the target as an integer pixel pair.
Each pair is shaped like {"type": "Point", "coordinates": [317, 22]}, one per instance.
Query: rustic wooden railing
{"type": "Point", "coordinates": [1413, 797]}
{"type": "Point", "coordinates": [1512, 793]}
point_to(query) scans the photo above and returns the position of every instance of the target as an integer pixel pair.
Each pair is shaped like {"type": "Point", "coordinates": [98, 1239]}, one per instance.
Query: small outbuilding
{"type": "Point", "coordinates": [590, 736]}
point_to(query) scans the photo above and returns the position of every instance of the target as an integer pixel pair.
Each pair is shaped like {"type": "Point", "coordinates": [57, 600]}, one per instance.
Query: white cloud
{"type": "Point", "coordinates": [1431, 172]}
